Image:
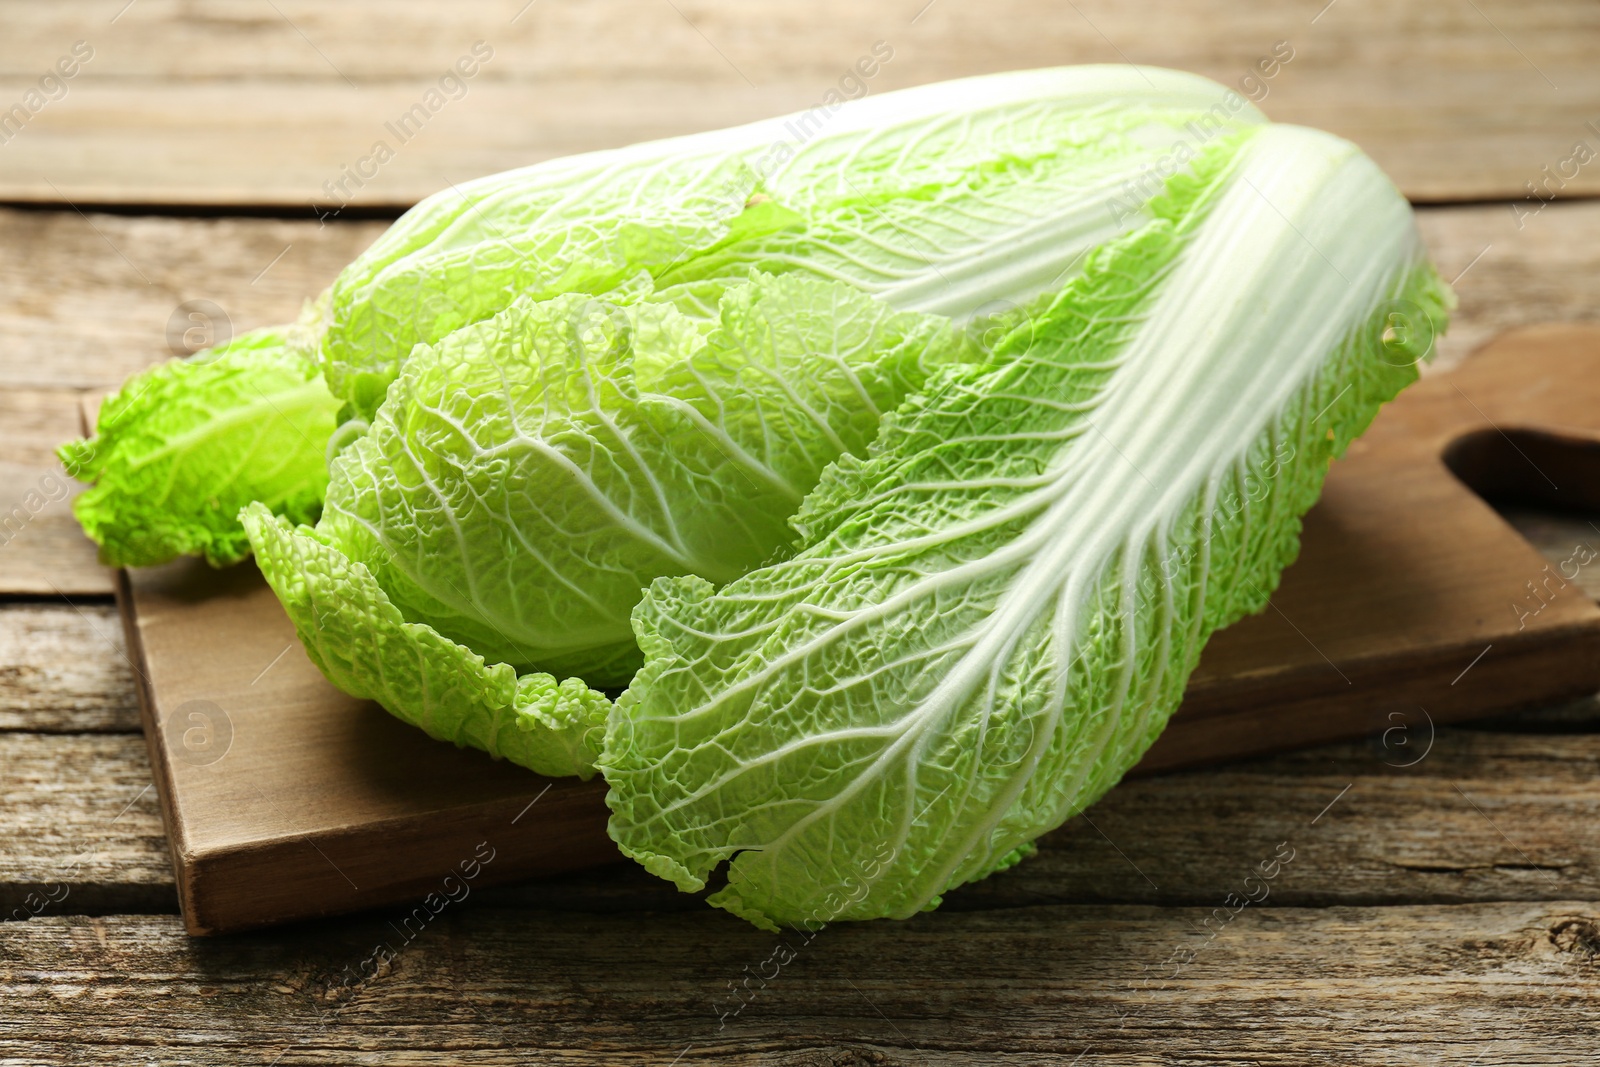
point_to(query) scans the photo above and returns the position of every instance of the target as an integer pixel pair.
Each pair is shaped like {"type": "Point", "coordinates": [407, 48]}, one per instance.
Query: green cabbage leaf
{"type": "Point", "coordinates": [991, 617]}
{"type": "Point", "coordinates": [182, 446]}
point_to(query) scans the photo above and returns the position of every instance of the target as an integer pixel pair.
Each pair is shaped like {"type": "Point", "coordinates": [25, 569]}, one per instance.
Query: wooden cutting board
{"type": "Point", "coordinates": [1413, 603]}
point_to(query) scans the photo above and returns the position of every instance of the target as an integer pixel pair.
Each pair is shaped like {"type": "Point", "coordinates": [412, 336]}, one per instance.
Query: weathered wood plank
{"type": "Point", "coordinates": [1546, 271]}
{"type": "Point", "coordinates": [64, 669]}
{"type": "Point", "coordinates": [87, 300]}
{"type": "Point", "coordinates": [83, 833]}
{"type": "Point", "coordinates": [1498, 983]}
{"type": "Point", "coordinates": [75, 314]}
{"type": "Point", "coordinates": [1481, 816]}
{"type": "Point", "coordinates": [210, 103]}
{"type": "Point", "coordinates": [42, 548]}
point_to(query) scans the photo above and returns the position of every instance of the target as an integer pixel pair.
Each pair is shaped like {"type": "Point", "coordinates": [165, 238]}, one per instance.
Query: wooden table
{"type": "Point", "coordinates": [1436, 910]}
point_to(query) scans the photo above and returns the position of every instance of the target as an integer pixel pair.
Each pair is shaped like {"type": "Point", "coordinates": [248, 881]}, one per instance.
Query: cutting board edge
{"type": "Point", "coordinates": [1274, 688]}
{"type": "Point", "coordinates": [1346, 714]}
{"type": "Point", "coordinates": [328, 891]}
{"type": "Point", "coordinates": [176, 836]}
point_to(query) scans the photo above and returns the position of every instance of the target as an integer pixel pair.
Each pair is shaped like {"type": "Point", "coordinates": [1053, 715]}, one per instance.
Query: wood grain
{"type": "Point", "coordinates": [1496, 983]}
{"type": "Point", "coordinates": [75, 314]}
{"type": "Point", "coordinates": [217, 103]}
{"type": "Point", "coordinates": [1507, 278]}
{"type": "Point", "coordinates": [81, 826]}
{"type": "Point", "coordinates": [1428, 833]}
{"type": "Point", "coordinates": [42, 548]}
{"type": "Point", "coordinates": [64, 669]}
{"type": "Point", "coordinates": [87, 300]}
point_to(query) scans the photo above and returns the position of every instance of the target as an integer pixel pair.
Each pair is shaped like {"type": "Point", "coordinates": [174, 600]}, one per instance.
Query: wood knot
{"type": "Point", "coordinates": [1580, 937]}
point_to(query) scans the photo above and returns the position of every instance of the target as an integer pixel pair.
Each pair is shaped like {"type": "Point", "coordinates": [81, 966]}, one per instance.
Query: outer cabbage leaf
{"type": "Point", "coordinates": [927, 223]}
{"type": "Point", "coordinates": [811, 156]}
{"type": "Point", "coordinates": [991, 617]}
{"type": "Point", "coordinates": [428, 295]}
{"type": "Point", "coordinates": [944, 198]}
{"type": "Point", "coordinates": [362, 643]}
{"type": "Point", "coordinates": [529, 475]}
{"type": "Point", "coordinates": [186, 444]}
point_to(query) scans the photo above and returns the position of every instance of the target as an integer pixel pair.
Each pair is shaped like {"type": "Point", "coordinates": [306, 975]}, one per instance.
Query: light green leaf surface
{"type": "Point", "coordinates": [186, 444]}
{"type": "Point", "coordinates": [991, 618]}
{"type": "Point", "coordinates": [536, 464]}
{"type": "Point", "coordinates": [428, 296]}
{"type": "Point", "coordinates": [362, 643]}
{"type": "Point", "coordinates": [945, 198]}
{"type": "Point", "coordinates": [529, 475]}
